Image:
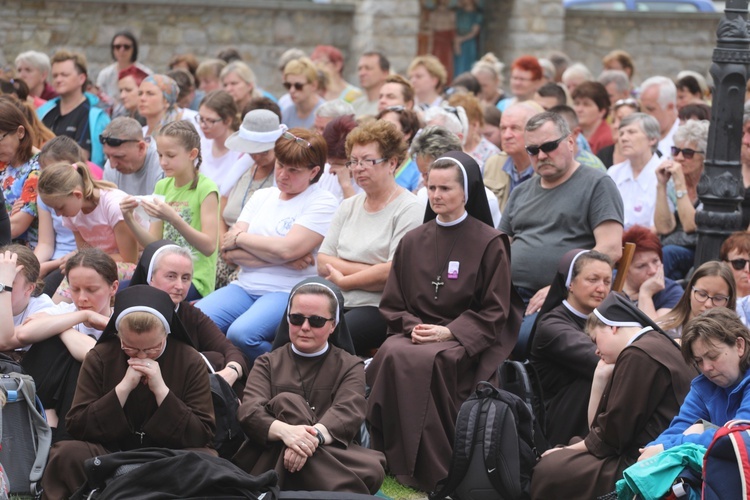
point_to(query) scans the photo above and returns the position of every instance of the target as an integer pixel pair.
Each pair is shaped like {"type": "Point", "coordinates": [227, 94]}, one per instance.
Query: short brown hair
{"type": "Point", "coordinates": [594, 91]}
{"type": "Point", "coordinates": [407, 91]}
{"type": "Point", "coordinates": [385, 134]}
{"type": "Point", "coordinates": [289, 152]}
{"type": "Point", "coordinates": [719, 325]}
{"type": "Point", "coordinates": [739, 241]}
{"type": "Point", "coordinates": [188, 59]}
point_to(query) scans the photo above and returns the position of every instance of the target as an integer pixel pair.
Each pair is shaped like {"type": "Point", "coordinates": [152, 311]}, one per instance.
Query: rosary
{"type": "Point", "coordinates": [437, 284]}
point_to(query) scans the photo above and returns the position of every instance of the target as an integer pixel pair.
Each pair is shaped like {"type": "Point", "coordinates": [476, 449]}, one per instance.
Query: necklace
{"type": "Point", "coordinates": [250, 185]}
{"type": "Point", "coordinates": [439, 273]}
{"type": "Point", "coordinates": [307, 394]}
{"type": "Point", "coordinates": [390, 198]}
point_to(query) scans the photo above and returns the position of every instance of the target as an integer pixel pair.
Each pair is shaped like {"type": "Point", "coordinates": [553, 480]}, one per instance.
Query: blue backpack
{"type": "Point", "coordinates": [726, 465]}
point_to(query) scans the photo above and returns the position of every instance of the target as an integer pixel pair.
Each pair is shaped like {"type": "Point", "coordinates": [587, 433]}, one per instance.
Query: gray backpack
{"type": "Point", "coordinates": [26, 437]}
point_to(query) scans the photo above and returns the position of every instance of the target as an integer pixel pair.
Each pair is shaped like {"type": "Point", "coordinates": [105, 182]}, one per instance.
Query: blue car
{"type": "Point", "coordinates": [642, 5]}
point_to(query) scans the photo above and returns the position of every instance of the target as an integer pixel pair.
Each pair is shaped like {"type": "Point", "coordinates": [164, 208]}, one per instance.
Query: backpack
{"type": "Point", "coordinates": [228, 436]}
{"type": "Point", "coordinates": [493, 452]}
{"type": "Point", "coordinates": [726, 466]}
{"type": "Point", "coordinates": [521, 379]}
{"type": "Point", "coordinates": [26, 436]}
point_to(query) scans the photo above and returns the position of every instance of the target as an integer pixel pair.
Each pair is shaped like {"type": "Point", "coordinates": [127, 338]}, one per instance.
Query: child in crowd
{"type": "Point", "coordinates": [189, 214]}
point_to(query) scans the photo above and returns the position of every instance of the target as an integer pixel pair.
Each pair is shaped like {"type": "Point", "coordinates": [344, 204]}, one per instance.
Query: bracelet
{"type": "Point", "coordinates": [232, 367]}
{"type": "Point", "coordinates": [235, 239]}
{"type": "Point", "coordinates": [321, 438]}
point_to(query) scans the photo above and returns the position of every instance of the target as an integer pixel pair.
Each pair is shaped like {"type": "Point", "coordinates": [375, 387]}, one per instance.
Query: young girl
{"type": "Point", "coordinates": [60, 338]}
{"type": "Point", "coordinates": [189, 214]}
{"type": "Point", "coordinates": [19, 269]}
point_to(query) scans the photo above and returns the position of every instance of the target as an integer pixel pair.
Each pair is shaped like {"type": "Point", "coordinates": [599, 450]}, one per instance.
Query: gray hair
{"type": "Point", "coordinates": [459, 125]}
{"type": "Point", "coordinates": [124, 127]}
{"type": "Point", "coordinates": [746, 113]}
{"type": "Point", "coordinates": [648, 124]}
{"type": "Point", "coordinates": [548, 69]}
{"type": "Point", "coordinates": [334, 109]}
{"type": "Point", "coordinates": [578, 69]}
{"type": "Point", "coordinates": [616, 76]}
{"type": "Point", "coordinates": [170, 250]}
{"type": "Point", "coordinates": [693, 132]}
{"type": "Point", "coordinates": [536, 122]}
{"type": "Point", "coordinates": [38, 60]}
{"type": "Point", "coordinates": [435, 141]}
{"type": "Point", "coordinates": [667, 90]}
{"type": "Point", "coordinates": [290, 55]}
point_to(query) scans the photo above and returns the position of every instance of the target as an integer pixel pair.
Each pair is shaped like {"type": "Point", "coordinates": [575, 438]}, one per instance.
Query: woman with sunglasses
{"type": "Point", "coordinates": [124, 51]}
{"type": "Point", "coordinates": [274, 241]}
{"type": "Point", "coordinates": [301, 81]}
{"type": "Point", "coordinates": [358, 250]}
{"type": "Point", "coordinates": [735, 251]}
{"type": "Point", "coordinates": [304, 402]}
{"type": "Point", "coordinates": [142, 385]}
{"type": "Point", "coordinates": [677, 197]}
{"type": "Point", "coordinates": [712, 285]}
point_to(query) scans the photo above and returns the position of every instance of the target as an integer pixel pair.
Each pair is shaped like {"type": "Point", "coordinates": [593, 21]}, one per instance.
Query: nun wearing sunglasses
{"type": "Point", "coordinates": [304, 402]}
{"type": "Point", "coordinates": [142, 385]}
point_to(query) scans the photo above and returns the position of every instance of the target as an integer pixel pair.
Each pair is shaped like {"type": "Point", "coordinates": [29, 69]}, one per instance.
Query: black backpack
{"type": "Point", "coordinates": [229, 436]}
{"type": "Point", "coordinates": [522, 380]}
{"type": "Point", "coordinates": [494, 450]}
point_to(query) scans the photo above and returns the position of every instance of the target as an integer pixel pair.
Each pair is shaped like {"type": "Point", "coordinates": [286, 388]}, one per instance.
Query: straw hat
{"type": "Point", "coordinates": [258, 133]}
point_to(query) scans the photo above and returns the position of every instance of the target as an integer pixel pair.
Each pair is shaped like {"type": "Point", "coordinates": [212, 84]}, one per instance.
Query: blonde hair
{"type": "Point", "coordinates": [61, 179]}
{"type": "Point", "coordinates": [246, 74]}
{"type": "Point", "coordinates": [188, 138]}
{"type": "Point", "coordinates": [433, 66]}
{"type": "Point", "coordinates": [141, 321]}
{"type": "Point", "coordinates": [303, 66]}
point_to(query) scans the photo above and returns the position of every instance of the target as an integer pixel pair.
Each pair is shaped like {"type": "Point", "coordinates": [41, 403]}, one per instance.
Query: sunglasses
{"type": "Point", "coordinates": [114, 141]}
{"type": "Point", "coordinates": [627, 102]}
{"type": "Point", "coordinates": [547, 147]}
{"type": "Point", "coordinates": [315, 321]}
{"type": "Point", "coordinates": [297, 86]}
{"type": "Point", "coordinates": [738, 264]}
{"type": "Point", "coordinates": [687, 153]}
{"type": "Point", "coordinates": [122, 47]}
{"type": "Point", "coordinates": [299, 140]}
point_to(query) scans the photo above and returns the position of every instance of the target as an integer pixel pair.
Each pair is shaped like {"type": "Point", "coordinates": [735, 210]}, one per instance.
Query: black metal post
{"type": "Point", "coordinates": [721, 188]}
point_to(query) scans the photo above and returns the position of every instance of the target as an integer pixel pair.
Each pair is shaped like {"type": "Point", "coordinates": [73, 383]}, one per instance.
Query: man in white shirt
{"type": "Point", "coordinates": [658, 97]}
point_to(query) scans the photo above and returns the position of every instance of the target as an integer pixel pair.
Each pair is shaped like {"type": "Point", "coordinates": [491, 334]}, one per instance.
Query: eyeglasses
{"type": "Point", "coordinates": [298, 86]}
{"type": "Point", "coordinates": [738, 264]}
{"type": "Point", "coordinates": [207, 122]}
{"type": "Point", "coordinates": [547, 147]}
{"type": "Point", "coordinates": [629, 101]}
{"type": "Point", "coordinates": [520, 79]}
{"type": "Point", "coordinates": [687, 153]}
{"type": "Point", "coordinates": [364, 163]}
{"type": "Point", "coordinates": [119, 46]}
{"type": "Point", "coordinates": [150, 351]}
{"type": "Point", "coordinates": [717, 300]}
{"type": "Point", "coordinates": [315, 321]}
{"type": "Point", "coordinates": [114, 141]}
{"type": "Point", "coordinates": [299, 140]}
{"type": "Point", "coordinates": [4, 136]}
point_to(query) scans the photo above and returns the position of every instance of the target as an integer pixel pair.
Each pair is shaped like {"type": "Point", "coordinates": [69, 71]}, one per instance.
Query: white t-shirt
{"type": "Point", "coordinates": [491, 199]}
{"type": "Point", "coordinates": [65, 308]}
{"type": "Point", "coordinates": [268, 215]}
{"type": "Point", "coordinates": [36, 304]}
{"type": "Point", "coordinates": [638, 194]}
{"type": "Point", "coordinates": [330, 182]}
{"type": "Point", "coordinates": [357, 235]}
{"type": "Point", "coordinates": [216, 168]}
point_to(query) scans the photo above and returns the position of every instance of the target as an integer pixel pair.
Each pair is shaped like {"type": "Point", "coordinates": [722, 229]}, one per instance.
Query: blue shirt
{"type": "Point", "coordinates": [515, 177]}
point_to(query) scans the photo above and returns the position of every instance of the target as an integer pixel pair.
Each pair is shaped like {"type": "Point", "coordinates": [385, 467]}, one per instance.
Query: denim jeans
{"type": "Point", "coordinates": [249, 321]}
{"type": "Point", "coordinates": [677, 261]}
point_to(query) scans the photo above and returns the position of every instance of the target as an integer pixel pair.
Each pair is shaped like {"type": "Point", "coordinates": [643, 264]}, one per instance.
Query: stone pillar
{"type": "Point", "coordinates": [721, 188]}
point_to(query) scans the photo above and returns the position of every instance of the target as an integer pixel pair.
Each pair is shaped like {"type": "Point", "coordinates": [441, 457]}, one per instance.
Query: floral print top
{"type": "Point", "coordinates": [19, 185]}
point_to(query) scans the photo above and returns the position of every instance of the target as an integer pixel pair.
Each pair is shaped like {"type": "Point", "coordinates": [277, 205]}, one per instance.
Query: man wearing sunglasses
{"type": "Point", "coordinates": [132, 163]}
{"type": "Point", "coordinates": [561, 208]}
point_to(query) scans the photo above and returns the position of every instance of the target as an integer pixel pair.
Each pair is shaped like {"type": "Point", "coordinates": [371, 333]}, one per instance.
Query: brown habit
{"type": "Point", "coordinates": [185, 418]}
{"type": "Point", "coordinates": [648, 385]}
{"type": "Point", "coordinates": [335, 387]}
{"type": "Point", "coordinates": [418, 389]}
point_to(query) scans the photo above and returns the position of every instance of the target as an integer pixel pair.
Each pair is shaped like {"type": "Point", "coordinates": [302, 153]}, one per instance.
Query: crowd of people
{"type": "Point", "coordinates": [345, 253]}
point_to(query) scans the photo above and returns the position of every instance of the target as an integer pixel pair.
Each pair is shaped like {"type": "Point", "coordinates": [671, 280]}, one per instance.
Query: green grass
{"type": "Point", "coordinates": [398, 491]}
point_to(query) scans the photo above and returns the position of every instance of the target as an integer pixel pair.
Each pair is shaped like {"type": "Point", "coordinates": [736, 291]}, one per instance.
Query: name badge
{"type": "Point", "coordinates": [453, 270]}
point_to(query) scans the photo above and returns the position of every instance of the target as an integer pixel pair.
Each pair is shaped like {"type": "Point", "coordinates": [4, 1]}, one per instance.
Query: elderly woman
{"type": "Point", "coordinates": [238, 80]}
{"type": "Point", "coordinates": [157, 103]}
{"type": "Point", "coordinates": [358, 250]}
{"type": "Point", "coordinates": [274, 241]}
{"type": "Point", "coordinates": [301, 81]}
{"type": "Point", "coordinates": [718, 344]}
{"type": "Point", "coordinates": [591, 103]}
{"type": "Point", "coordinates": [525, 79]}
{"type": "Point", "coordinates": [142, 385]}
{"type": "Point", "coordinates": [124, 51]}
{"type": "Point", "coordinates": [561, 352]}
{"type": "Point", "coordinates": [711, 285]}
{"type": "Point", "coordinates": [677, 187]}
{"type": "Point", "coordinates": [305, 401]}
{"type": "Point", "coordinates": [408, 124]}
{"type": "Point", "coordinates": [612, 155]}
{"type": "Point", "coordinates": [452, 317]}
{"type": "Point", "coordinates": [337, 178]}
{"type": "Point", "coordinates": [20, 173]}
{"type": "Point", "coordinates": [636, 176]}
{"type": "Point", "coordinates": [169, 268]}
{"type": "Point", "coordinates": [34, 67]}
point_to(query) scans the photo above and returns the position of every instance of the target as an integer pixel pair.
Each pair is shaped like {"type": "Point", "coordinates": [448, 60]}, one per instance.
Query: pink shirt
{"type": "Point", "coordinates": [98, 227]}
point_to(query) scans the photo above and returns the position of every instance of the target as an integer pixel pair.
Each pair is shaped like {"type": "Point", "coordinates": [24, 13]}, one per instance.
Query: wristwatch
{"type": "Point", "coordinates": [5, 288]}
{"type": "Point", "coordinates": [321, 438]}
{"type": "Point", "coordinates": [680, 193]}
